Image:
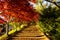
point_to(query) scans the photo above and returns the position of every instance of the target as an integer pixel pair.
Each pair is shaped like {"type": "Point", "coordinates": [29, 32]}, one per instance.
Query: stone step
{"type": "Point", "coordinates": [29, 33]}
{"type": "Point", "coordinates": [28, 38]}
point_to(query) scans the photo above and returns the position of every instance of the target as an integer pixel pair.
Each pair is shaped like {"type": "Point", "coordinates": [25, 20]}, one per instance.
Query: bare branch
{"type": "Point", "coordinates": [53, 3]}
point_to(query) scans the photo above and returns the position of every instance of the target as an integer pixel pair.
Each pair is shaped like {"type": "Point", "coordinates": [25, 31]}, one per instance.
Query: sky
{"type": "Point", "coordinates": [33, 4]}
{"type": "Point", "coordinates": [49, 2]}
{"type": "Point", "coordinates": [58, 0]}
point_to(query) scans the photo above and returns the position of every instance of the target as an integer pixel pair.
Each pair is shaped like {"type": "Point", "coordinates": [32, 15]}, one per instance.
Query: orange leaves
{"type": "Point", "coordinates": [26, 12]}
{"type": "Point", "coordinates": [34, 1]}
{"type": "Point", "coordinates": [24, 16]}
{"type": "Point", "coordinates": [2, 21]}
{"type": "Point", "coordinates": [20, 10]}
{"type": "Point", "coordinates": [36, 15]}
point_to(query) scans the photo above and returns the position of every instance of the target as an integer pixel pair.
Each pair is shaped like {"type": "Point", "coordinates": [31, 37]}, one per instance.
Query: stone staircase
{"type": "Point", "coordinates": [29, 33]}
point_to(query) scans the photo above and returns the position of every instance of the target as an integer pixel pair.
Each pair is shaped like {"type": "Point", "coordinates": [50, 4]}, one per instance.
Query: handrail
{"type": "Point", "coordinates": [12, 31]}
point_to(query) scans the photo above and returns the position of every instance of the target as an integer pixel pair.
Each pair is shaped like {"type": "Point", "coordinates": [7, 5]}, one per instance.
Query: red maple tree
{"type": "Point", "coordinates": [20, 10]}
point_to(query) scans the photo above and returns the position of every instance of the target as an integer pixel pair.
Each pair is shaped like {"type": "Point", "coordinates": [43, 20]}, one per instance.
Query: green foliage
{"type": "Point", "coordinates": [50, 22]}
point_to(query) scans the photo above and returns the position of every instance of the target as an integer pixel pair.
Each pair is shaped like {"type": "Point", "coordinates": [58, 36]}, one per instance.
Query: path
{"type": "Point", "coordinates": [29, 33]}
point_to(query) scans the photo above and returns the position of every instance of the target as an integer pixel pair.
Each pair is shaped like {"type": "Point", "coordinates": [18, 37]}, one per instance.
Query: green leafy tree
{"type": "Point", "coordinates": [49, 19]}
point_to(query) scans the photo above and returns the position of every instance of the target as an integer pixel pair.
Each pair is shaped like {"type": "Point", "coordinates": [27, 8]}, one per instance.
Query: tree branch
{"type": "Point", "coordinates": [53, 3]}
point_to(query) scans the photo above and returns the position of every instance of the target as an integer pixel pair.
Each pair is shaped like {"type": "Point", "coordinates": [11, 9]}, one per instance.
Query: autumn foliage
{"type": "Point", "coordinates": [18, 10]}
{"type": "Point", "coordinates": [34, 1]}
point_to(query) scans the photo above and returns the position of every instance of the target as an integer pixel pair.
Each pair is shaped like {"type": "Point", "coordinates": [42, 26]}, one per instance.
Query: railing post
{"type": "Point", "coordinates": [7, 28]}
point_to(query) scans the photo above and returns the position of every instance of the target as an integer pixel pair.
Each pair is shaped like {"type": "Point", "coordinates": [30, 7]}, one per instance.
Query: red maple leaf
{"type": "Point", "coordinates": [19, 10]}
